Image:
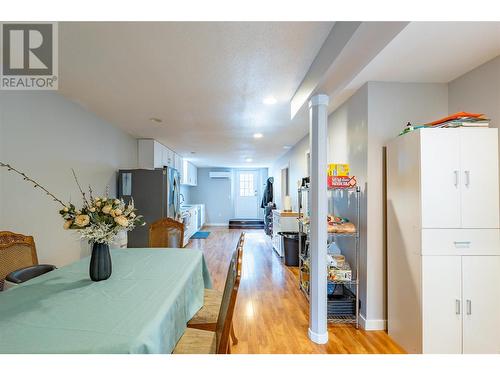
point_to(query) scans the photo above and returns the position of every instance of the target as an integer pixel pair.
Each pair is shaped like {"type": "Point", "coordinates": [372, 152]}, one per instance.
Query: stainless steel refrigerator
{"type": "Point", "coordinates": [156, 195]}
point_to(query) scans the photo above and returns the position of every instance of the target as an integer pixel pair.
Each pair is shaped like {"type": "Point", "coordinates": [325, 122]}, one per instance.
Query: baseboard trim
{"type": "Point", "coordinates": [372, 324]}
{"type": "Point", "coordinates": [318, 338]}
{"type": "Point", "coordinates": [216, 224]}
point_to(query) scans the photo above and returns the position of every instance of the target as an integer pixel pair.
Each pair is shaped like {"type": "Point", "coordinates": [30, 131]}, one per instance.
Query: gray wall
{"type": "Point", "coordinates": [45, 135]}
{"type": "Point", "coordinates": [390, 107]}
{"type": "Point", "coordinates": [357, 133]}
{"type": "Point", "coordinates": [478, 91]}
{"type": "Point", "coordinates": [218, 194]}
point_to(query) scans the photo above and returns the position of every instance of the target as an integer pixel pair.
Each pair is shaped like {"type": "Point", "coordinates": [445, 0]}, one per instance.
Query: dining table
{"type": "Point", "coordinates": [143, 307]}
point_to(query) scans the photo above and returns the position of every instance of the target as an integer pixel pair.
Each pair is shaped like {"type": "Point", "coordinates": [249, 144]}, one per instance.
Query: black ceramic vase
{"type": "Point", "coordinates": [100, 262]}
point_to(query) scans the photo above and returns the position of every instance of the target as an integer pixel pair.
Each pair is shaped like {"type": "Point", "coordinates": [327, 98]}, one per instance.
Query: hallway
{"type": "Point", "coordinates": [271, 313]}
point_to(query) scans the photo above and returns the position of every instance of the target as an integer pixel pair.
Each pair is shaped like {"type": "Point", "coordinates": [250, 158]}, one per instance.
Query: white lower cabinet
{"type": "Point", "coordinates": [441, 304]}
{"type": "Point", "coordinates": [283, 222]}
{"type": "Point", "coordinates": [481, 301]}
{"type": "Point", "coordinates": [461, 304]}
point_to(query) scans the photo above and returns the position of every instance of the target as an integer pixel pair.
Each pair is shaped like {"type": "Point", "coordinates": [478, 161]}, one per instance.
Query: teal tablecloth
{"type": "Point", "coordinates": [142, 308]}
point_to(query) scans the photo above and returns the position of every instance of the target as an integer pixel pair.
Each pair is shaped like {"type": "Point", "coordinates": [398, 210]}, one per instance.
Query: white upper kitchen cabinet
{"type": "Point", "coordinates": [178, 163]}
{"type": "Point", "coordinates": [459, 177]}
{"type": "Point", "coordinates": [152, 154]}
{"type": "Point", "coordinates": [168, 157]}
{"type": "Point", "coordinates": [189, 174]}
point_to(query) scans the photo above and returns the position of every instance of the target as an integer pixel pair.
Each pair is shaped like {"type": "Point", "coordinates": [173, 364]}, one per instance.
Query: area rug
{"type": "Point", "coordinates": [200, 235]}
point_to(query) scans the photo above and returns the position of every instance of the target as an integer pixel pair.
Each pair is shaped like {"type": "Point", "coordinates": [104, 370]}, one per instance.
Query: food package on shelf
{"type": "Point", "coordinates": [333, 248]}
{"type": "Point", "coordinates": [338, 224]}
{"type": "Point", "coordinates": [336, 260]}
{"type": "Point", "coordinates": [337, 169]}
{"type": "Point", "coordinates": [339, 274]}
{"type": "Point", "coordinates": [342, 182]}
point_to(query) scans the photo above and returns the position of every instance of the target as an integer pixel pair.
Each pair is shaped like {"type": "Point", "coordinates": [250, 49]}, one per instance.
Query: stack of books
{"type": "Point", "coordinates": [456, 120]}
{"type": "Point", "coordinates": [461, 119]}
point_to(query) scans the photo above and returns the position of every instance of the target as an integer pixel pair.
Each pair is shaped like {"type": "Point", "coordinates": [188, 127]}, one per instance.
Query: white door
{"type": "Point", "coordinates": [481, 297]}
{"type": "Point", "coordinates": [479, 168]}
{"type": "Point", "coordinates": [441, 304]}
{"type": "Point", "coordinates": [247, 194]}
{"type": "Point", "coordinates": [440, 178]}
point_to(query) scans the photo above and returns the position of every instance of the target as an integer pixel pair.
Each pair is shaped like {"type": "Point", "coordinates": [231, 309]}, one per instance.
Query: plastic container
{"type": "Point", "coordinates": [291, 247]}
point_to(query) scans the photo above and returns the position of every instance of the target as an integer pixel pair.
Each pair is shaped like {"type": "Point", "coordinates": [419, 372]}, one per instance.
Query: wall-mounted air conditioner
{"type": "Point", "coordinates": [219, 174]}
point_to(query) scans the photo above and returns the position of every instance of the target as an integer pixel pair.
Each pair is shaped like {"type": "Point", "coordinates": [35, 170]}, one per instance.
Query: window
{"type": "Point", "coordinates": [247, 188]}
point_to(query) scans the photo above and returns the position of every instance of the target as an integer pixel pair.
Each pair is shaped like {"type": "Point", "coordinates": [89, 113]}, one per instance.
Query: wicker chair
{"type": "Point", "coordinates": [197, 341]}
{"type": "Point", "coordinates": [16, 251]}
{"type": "Point", "coordinates": [166, 232]}
{"type": "Point", "coordinates": [206, 317]}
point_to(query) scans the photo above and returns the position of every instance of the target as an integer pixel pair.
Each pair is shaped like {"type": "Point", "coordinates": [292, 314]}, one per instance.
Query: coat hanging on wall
{"type": "Point", "coordinates": [268, 193]}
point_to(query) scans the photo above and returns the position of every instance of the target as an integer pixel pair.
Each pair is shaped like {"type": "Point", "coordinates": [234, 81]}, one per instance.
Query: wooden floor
{"type": "Point", "coordinates": [271, 314]}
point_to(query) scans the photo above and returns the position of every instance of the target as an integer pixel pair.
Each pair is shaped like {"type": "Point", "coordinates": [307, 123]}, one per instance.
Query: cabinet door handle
{"type": "Point", "coordinates": [467, 178]}
{"type": "Point", "coordinates": [469, 307]}
{"type": "Point", "coordinates": [462, 243]}
{"type": "Point", "coordinates": [457, 306]}
{"type": "Point", "coordinates": [457, 176]}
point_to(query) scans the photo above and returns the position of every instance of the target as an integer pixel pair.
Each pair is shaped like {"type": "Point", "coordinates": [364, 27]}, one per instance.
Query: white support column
{"type": "Point", "coordinates": [318, 125]}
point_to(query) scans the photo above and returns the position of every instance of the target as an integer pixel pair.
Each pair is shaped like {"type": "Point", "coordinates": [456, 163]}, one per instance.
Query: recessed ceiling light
{"type": "Point", "coordinates": [156, 120]}
{"type": "Point", "coordinates": [258, 135]}
{"type": "Point", "coordinates": [248, 160]}
{"type": "Point", "coordinates": [287, 147]}
{"type": "Point", "coordinates": [270, 100]}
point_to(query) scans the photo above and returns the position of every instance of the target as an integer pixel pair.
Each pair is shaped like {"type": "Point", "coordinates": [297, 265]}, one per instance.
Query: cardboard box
{"type": "Point", "coordinates": [338, 169]}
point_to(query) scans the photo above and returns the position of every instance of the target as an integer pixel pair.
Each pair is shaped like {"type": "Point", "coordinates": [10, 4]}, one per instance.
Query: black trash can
{"type": "Point", "coordinates": [291, 247]}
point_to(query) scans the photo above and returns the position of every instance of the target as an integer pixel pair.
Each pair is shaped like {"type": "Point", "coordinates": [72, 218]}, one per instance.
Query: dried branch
{"type": "Point", "coordinates": [81, 190]}
{"type": "Point", "coordinates": [91, 196]}
{"type": "Point", "coordinates": [36, 184]}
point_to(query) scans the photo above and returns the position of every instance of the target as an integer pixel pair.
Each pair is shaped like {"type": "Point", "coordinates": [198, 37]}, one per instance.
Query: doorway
{"type": "Point", "coordinates": [247, 194]}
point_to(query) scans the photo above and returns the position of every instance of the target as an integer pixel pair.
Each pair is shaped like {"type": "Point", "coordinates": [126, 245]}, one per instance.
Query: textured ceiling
{"type": "Point", "coordinates": [206, 81]}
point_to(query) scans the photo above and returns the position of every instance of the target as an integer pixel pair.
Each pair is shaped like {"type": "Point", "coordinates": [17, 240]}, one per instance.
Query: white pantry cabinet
{"type": "Point", "coordinates": [443, 241]}
{"type": "Point", "coordinates": [459, 172]}
{"type": "Point", "coordinates": [461, 304]}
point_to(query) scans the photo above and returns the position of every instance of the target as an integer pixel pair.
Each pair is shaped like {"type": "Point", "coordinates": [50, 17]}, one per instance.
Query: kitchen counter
{"type": "Point", "coordinates": [286, 213]}
{"type": "Point", "coordinates": [193, 217]}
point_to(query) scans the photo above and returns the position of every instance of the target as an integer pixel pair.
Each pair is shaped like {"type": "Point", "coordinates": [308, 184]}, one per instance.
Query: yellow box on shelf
{"type": "Point", "coordinates": [338, 170]}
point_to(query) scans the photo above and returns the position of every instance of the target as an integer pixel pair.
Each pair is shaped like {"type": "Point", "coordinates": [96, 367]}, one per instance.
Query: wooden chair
{"type": "Point", "coordinates": [166, 232]}
{"type": "Point", "coordinates": [206, 317]}
{"type": "Point", "coordinates": [197, 341]}
{"type": "Point", "coordinates": [16, 251]}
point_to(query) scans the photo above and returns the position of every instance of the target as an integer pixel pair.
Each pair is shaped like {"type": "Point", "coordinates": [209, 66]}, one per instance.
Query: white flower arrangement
{"type": "Point", "coordinates": [99, 220]}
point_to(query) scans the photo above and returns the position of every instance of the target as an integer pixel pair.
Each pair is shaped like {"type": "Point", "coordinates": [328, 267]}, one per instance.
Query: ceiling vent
{"type": "Point", "coordinates": [219, 174]}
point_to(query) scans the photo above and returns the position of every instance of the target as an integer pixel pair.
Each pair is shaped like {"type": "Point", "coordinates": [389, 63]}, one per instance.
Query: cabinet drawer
{"type": "Point", "coordinates": [461, 241]}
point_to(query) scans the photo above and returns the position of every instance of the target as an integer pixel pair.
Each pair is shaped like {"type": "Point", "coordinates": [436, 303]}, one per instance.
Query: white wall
{"type": "Point", "coordinates": [45, 135]}
{"type": "Point", "coordinates": [357, 133]}
{"type": "Point", "coordinates": [390, 107]}
{"type": "Point", "coordinates": [295, 160]}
